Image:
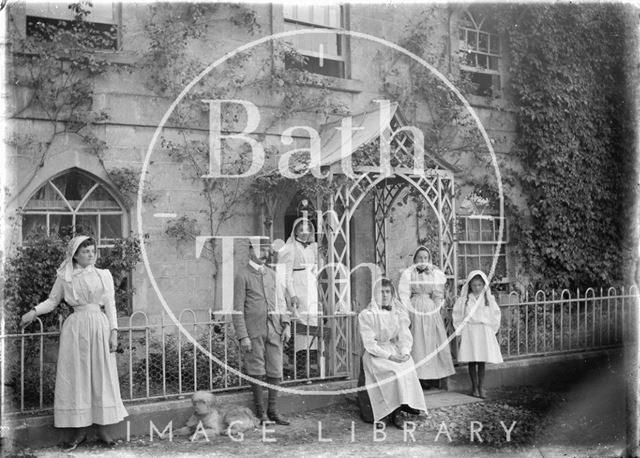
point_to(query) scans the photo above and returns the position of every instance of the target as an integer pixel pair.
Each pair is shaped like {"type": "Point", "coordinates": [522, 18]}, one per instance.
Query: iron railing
{"type": "Point", "coordinates": [565, 321]}
{"type": "Point", "coordinates": [156, 361]}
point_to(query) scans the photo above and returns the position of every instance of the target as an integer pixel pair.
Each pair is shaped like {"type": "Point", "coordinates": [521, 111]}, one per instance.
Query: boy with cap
{"type": "Point", "coordinates": [261, 322]}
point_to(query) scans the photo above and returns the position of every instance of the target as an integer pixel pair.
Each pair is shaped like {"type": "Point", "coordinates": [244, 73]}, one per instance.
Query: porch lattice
{"type": "Point", "coordinates": [435, 185]}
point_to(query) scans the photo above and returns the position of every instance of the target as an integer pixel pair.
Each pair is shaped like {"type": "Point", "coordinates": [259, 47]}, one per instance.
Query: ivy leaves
{"type": "Point", "coordinates": [564, 59]}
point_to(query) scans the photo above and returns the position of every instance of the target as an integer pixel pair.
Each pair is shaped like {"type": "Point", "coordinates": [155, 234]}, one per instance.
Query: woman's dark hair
{"type": "Point", "coordinates": [89, 242]}
{"type": "Point", "coordinates": [419, 250]}
{"type": "Point", "coordinates": [385, 282]}
{"type": "Point", "coordinates": [486, 297]}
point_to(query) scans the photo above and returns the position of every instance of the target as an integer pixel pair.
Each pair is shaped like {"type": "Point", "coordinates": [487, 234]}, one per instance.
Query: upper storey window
{"type": "Point", "coordinates": [481, 52]}
{"type": "Point", "coordinates": [324, 54]}
{"type": "Point", "coordinates": [46, 20]}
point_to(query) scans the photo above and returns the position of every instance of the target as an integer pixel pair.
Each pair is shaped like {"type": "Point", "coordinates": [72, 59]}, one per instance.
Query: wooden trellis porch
{"type": "Point", "coordinates": [435, 184]}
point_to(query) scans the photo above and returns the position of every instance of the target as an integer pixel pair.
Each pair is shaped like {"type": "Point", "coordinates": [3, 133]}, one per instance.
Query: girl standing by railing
{"type": "Point", "coordinates": [478, 343]}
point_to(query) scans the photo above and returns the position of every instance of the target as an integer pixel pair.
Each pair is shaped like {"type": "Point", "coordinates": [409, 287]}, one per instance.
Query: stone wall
{"type": "Point", "coordinates": [135, 113]}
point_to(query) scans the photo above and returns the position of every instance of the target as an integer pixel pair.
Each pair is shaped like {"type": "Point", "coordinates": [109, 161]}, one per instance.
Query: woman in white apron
{"type": "Point", "coordinates": [87, 390]}
{"type": "Point", "coordinates": [478, 343]}
{"type": "Point", "coordinates": [421, 290]}
{"type": "Point", "coordinates": [392, 383]}
{"type": "Point", "coordinates": [300, 259]}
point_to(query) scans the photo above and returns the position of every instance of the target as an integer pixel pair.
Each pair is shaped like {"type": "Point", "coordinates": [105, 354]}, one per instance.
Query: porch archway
{"type": "Point", "coordinates": [435, 185]}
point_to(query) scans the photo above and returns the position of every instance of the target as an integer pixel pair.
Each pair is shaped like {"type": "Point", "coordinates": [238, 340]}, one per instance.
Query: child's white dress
{"type": "Point", "coordinates": [478, 341]}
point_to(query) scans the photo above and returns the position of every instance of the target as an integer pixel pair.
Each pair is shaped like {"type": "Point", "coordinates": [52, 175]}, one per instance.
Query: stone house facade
{"type": "Point", "coordinates": [72, 185]}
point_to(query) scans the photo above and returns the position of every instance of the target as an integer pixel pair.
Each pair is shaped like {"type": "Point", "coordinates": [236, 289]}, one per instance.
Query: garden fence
{"type": "Point", "coordinates": [157, 361]}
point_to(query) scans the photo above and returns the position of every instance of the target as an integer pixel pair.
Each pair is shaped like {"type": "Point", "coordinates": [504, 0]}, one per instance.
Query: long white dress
{"type": "Point", "coordinates": [422, 295]}
{"type": "Point", "coordinates": [384, 333]}
{"type": "Point", "coordinates": [301, 265]}
{"type": "Point", "coordinates": [478, 341]}
{"type": "Point", "coordinates": [87, 389]}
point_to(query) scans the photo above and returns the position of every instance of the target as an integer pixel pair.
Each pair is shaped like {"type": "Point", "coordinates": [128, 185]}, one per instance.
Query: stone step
{"type": "Point", "coordinates": [435, 399]}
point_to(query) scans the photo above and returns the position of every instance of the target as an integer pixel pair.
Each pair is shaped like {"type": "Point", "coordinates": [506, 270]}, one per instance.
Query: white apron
{"type": "Point", "coordinates": [87, 390]}
{"type": "Point", "coordinates": [422, 295]}
{"type": "Point", "coordinates": [384, 333]}
{"type": "Point", "coordinates": [301, 270]}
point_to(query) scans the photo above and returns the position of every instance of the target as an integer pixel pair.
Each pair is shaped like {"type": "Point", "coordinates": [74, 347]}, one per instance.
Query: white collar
{"type": "Point", "coordinates": [255, 265]}
{"type": "Point", "coordinates": [77, 270]}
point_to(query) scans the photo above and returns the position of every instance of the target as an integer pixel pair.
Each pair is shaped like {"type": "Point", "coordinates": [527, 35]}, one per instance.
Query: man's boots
{"type": "Point", "coordinates": [258, 399]}
{"type": "Point", "coordinates": [272, 410]}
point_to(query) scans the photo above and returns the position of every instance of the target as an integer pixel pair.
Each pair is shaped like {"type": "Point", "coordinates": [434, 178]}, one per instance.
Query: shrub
{"type": "Point", "coordinates": [31, 273]}
{"type": "Point", "coordinates": [29, 277]}
{"type": "Point", "coordinates": [179, 364]}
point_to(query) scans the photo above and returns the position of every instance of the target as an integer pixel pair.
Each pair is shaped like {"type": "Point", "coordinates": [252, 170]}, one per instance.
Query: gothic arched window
{"type": "Point", "coordinates": [74, 202]}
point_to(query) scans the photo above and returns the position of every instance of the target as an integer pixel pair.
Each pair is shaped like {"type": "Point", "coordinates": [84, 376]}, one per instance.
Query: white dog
{"type": "Point", "coordinates": [216, 420]}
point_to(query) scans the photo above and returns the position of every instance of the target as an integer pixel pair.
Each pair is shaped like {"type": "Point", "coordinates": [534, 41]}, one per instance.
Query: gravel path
{"type": "Point", "coordinates": [583, 420]}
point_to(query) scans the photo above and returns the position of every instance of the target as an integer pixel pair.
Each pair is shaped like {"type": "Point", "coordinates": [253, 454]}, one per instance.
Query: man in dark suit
{"type": "Point", "coordinates": [261, 322]}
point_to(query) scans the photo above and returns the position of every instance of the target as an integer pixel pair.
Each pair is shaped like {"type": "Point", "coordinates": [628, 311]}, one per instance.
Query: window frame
{"type": "Point", "coordinates": [344, 42]}
{"type": "Point", "coordinates": [117, 23]}
{"type": "Point", "coordinates": [74, 212]}
{"type": "Point", "coordinates": [463, 47]}
{"type": "Point", "coordinates": [463, 271]}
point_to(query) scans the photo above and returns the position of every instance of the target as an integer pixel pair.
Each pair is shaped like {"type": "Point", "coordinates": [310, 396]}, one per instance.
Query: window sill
{"type": "Point", "coordinates": [492, 103]}
{"type": "Point", "coordinates": [114, 57]}
{"type": "Point", "coordinates": [335, 84]}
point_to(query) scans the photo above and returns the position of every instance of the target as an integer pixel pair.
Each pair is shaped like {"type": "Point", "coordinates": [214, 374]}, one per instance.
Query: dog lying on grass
{"type": "Point", "coordinates": [216, 420]}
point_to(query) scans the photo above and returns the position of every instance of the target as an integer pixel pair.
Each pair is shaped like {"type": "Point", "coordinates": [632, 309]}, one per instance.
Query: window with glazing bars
{"type": "Point", "coordinates": [324, 53]}
{"type": "Point", "coordinates": [480, 48]}
{"type": "Point", "coordinates": [477, 244]}
{"type": "Point", "coordinates": [70, 203]}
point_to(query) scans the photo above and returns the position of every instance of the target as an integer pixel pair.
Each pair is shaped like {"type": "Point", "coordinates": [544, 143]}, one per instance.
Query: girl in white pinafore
{"type": "Point", "coordinates": [421, 290]}
{"type": "Point", "coordinates": [300, 259]}
{"type": "Point", "coordinates": [388, 367]}
{"type": "Point", "coordinates": [478, 343]}
{"type": "Point", "coordinates": [87, 390]}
